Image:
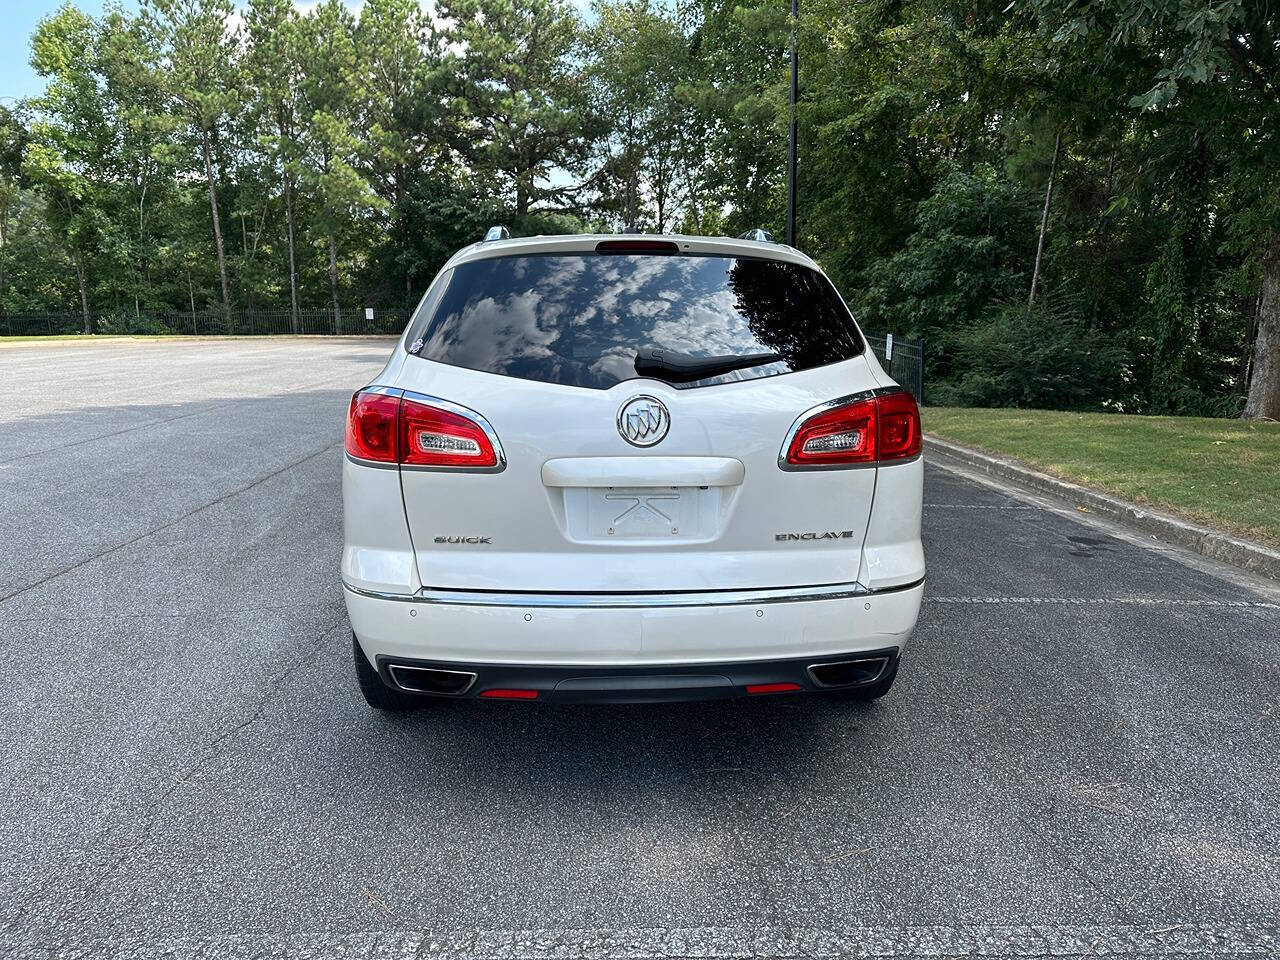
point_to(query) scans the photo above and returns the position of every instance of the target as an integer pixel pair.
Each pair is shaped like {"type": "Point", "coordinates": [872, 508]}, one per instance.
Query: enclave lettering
{"type": "Point", "coordinates": [824, 535]}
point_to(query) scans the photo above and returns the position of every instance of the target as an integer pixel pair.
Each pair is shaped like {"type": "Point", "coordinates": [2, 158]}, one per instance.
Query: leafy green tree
{"type": "Point", "coordinates": [639, 71]}
{"type": "Point", "coordinates": [198, 73]}
{"type": "Point", "coordinates": [1217, 68]}
{"type": "Point", "coordinates": [12, 135]}
{"type": "Point", "coordinates": [143, 165]}
{"type": "Point", "coordinates": [742, 87]}
{"type": "Point", "coordinates": [335, 157]}
{"type": "Point", "coordinates": [401, 108]}
{"type": "Point", "coordinates": [519, 78]}
{"type": "Point", "coordinates": [72, 140]}
{"type": "Point", "coordinates": [275, 74]}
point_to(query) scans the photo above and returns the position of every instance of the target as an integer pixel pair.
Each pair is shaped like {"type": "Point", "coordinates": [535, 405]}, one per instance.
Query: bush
{"type": "Point", "coordinates": [1051, 359]}
{"type": "Point", "coordinates": [963, 254]}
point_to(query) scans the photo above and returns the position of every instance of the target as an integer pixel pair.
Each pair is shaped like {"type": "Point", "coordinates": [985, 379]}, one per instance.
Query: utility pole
{"type": "Point", "coordinates": [791, 156]}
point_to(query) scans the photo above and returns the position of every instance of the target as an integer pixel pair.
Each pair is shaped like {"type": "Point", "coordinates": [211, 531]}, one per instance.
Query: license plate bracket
{"type": "Point", "coordinates": [638, 514]}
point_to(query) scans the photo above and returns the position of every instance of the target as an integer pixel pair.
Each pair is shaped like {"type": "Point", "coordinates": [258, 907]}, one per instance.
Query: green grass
{"type": "Point", "coordinates": [1220, 473]}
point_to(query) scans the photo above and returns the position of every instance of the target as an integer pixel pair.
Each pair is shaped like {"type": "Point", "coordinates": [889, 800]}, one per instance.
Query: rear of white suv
{"type": "Point", "coordinates": [630, 469]}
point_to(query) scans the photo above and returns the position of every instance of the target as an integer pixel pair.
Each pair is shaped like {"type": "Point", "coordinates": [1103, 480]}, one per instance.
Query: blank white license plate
{"type": "Point", "coordinates": [634, 513]}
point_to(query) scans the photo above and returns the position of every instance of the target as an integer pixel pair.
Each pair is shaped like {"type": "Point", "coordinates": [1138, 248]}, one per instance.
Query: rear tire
{"type": "Point", "coordinates": [872, 691]}
{"type": "Point", "coordinates": [376, 693]}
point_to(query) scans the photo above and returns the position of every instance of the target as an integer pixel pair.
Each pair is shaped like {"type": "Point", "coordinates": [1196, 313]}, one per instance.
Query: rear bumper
{"type": "Point", "coordinates": [739, 637]}
{"type": "Point", "coordinates": [645, 684]}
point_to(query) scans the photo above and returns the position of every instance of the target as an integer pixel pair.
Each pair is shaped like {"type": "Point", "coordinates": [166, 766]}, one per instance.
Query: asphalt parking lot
{"type": "Point", "coordinates": [1081, 756]}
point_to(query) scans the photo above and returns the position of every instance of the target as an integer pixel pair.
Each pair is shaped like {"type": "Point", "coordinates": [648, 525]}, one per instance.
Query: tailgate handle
{"type": "Point", "coordinates": [643, 472]}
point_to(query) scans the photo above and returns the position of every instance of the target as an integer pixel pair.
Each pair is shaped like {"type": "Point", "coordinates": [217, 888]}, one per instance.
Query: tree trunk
{"type": "Point", "coordinates": [1245, 368]}
{"type": "Point", "coordinates": [4, 253]}
{"type": "Point", "coordinates": [293, 268]}
{"type": "Point", "coordinates": [84, 294]}
{"type": "Point", "coordinates": [217, 224]}
{"type": "Point", "coordinates": [333, 282]}
{"type": "Point", "coordinates": [401, 228]}
{"type": "Point", "coordinates": [1264, 385]}
{"type": "Point", "coordinates": [1044, 223]}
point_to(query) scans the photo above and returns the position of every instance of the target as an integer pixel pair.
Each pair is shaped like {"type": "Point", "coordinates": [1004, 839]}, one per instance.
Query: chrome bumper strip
{"type": "Point", "coordinates": [602, 601]}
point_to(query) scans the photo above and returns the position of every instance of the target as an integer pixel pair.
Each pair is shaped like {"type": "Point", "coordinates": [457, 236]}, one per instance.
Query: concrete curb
{"type": "Point", "coordinates": [1210, 543]}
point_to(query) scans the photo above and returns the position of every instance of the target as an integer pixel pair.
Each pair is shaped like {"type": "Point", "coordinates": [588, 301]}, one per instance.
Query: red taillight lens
{"type": "Point", "coordinates": [431, 437]}
{"type": "Point", "coordinates": [506, 694]}
{"type": "Point", "coordinates": [391, 429]}
{"type": "Point", "coordinates": [864, 431]}
{"type": "Point", "coordinates": [371, 427]}
{"type": "Point", "coordinates": [898, 435]}
{"type": "Point", "coordinates": [844, 434]}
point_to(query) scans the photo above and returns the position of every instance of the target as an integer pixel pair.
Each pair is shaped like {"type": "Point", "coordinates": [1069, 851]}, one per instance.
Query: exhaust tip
{"type": "Point", "coordinates": [444, 683]}
{"type": "Point", "coordinates": [849, 673]}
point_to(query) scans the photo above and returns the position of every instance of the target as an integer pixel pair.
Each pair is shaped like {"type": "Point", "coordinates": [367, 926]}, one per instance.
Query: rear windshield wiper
{"type": "Point", "coordinates": [674, 367]}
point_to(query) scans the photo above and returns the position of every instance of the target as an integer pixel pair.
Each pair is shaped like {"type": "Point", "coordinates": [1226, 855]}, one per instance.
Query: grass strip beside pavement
{"type": "Point", "coordinates": [1223, 474]}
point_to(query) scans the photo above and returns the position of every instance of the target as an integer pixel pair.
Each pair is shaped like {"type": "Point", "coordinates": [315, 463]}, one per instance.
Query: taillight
{"type": "Point", "coordinates": [415, 432]}
{"type": "Point", "coordinates": [898, 434]}
{"type": "Point", "coordinates": [371, 427]}
{"type": "Point", "coordinates": [433, 437]}
{"type": "Point", "coordinates": [865, 431]}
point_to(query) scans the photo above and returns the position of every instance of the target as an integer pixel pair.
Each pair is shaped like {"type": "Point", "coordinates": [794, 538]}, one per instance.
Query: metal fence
{"type": "Point", "coordinates": [356, 321]}
{"type": "Point", "coordinates": [903, 360]}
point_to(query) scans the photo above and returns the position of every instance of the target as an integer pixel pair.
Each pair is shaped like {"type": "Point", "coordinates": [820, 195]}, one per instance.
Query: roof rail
{"type": "Point", "coordinates": [756, 234]}
{"type": "Point", "coordinates": [497, 232]}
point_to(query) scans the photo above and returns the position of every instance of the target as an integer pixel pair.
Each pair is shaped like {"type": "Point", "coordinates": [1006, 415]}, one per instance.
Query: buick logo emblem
{"type": "Point", "coordinates": [643, 421]}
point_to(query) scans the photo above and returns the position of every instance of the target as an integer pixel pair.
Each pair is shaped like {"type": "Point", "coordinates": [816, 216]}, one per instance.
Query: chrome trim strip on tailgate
{"type": "Point", "coordinates": [598, 601]}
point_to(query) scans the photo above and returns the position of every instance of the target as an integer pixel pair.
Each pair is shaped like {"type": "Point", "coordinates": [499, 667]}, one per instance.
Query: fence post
{"type": "Point", "coordinates": [920, 399]}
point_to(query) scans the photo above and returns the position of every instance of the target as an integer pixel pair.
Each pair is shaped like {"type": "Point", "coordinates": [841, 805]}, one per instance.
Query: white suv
{"type": "Point", "coordinates": [626, 468]}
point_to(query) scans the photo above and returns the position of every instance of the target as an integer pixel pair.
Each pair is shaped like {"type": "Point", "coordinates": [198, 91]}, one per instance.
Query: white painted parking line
{"type": "Point", "coordinates": [722, 943]}
{"type": "Point", "coordinates": [1135, 601]}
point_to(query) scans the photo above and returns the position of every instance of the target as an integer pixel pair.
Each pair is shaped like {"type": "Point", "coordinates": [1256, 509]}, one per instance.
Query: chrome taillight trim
{"type": "Point", "coordinates": [831, 405]}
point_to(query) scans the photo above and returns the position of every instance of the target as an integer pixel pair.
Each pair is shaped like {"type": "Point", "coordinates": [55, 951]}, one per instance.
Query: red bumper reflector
{"type": "Point", "coordinates": [754, 688]}
{"type": "Point", "coordinates": [501, 694]}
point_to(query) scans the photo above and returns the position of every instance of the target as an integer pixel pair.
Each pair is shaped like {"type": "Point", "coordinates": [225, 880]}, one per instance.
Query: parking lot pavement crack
{"type": "Point", "coordinates": [214, 748]}
{"type": "Point", "coordinates": [62, 571]}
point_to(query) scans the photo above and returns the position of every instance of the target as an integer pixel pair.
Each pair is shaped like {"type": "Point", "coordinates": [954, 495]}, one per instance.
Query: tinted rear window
{"type": "Point", "coordinates": [579, 319]}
